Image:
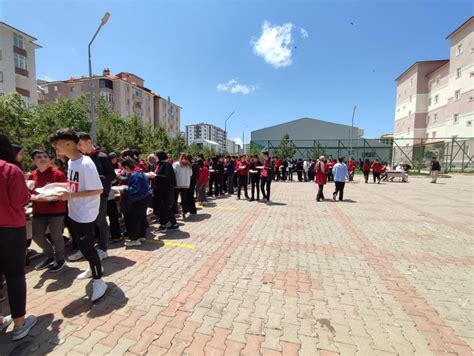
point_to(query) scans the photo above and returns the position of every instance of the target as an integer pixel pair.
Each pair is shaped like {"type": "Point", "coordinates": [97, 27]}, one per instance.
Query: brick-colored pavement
{"type": "Point", "coordinates": [388, 272]}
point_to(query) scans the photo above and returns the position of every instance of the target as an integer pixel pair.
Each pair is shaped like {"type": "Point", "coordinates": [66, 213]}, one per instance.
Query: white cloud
{"type": "Point", "coordinates": [238, 141]}
{"type": "Point", "coordinates": [275, 44]}
{"type": "Point", "coordinates": [304, 33]}
{"type": "Point", "coordinates": [233, 87]}
{"type": "Point", "coordinates": [48, 79]}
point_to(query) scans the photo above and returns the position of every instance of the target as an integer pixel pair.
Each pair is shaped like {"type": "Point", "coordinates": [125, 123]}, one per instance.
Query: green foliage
{"type": "Point", "coordinates": [316, 152]}
{"type": "Point", "coordinates": [285, 149]}
{"type": "Point", "coordinates": [31, 127]}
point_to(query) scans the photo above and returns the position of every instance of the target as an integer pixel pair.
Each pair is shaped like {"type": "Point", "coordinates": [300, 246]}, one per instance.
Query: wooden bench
{"type": "Point", "coordinates": [401, 175]}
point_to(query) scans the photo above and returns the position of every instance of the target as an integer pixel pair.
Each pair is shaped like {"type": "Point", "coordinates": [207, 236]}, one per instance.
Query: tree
{"type": "Point", "coordinates": [285, 149]}
{"type": "Point", "coordinates": [316, 152]}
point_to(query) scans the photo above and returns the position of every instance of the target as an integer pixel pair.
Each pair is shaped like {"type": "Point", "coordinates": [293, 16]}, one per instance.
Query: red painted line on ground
{"type": "Point", "coordinates": [440, 337]}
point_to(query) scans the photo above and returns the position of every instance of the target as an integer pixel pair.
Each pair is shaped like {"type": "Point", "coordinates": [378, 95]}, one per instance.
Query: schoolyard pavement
{"type": "Point", "coordinates": [388, 272]}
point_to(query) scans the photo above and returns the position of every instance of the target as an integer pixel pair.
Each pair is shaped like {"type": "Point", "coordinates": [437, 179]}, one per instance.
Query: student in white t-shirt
{"type": "Point", "coordinates": [83, 195]}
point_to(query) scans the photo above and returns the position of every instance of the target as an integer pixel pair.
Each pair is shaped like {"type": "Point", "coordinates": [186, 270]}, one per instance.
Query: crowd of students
{"type": "Point", "coordinates": [95, 191]}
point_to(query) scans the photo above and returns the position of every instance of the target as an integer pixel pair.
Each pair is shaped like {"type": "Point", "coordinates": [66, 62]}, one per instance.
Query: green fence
{"type": "Point", "coordinates": [454, 153]}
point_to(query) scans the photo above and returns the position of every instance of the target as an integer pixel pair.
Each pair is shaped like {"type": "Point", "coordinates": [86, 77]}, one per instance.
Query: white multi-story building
{"type": "Point", "coordinates": [435, 99]}
{"type": "Point", "coordinates": [207, 132]}
{"type": "Point", "coordinates": [17, 64]}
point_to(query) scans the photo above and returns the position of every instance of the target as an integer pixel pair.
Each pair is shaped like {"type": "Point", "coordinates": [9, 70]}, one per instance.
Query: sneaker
{"type": "Point", "coordinates": [132, 243]}
{"type": "Point", "coordinates": [76, 256]}
{"type": "Point", "coordinates": [173, 227]}
{"type": "Point", "coordinates": [85, 275]}
{"type": "Point", "coordinates": [102, 254]}
{"type": "Point", "coordinates": [334, 196]}
{"type": "Point", "coordinates": [99, 287]}
{"type": "Point", "coordinates": [142, 239]}
{"type": "Point", "coordinates": [57, 266]}
{"type": "Point", "coordinates": [44, 264]}
{"type": "Point", "coordinates": [20, 332]}
{"type": "Point", "coordinates": [7, 320]}
{"type": "Point", "coordinates": [162, 228]}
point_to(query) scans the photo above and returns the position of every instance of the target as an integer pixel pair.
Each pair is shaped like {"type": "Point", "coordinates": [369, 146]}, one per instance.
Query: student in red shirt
{"type": "Point", "coordinates": [48, 213]}
{"type": "Point", "coordinates": [366, 170]}
{"type": "Point", "coordinates": [14, 196]}
{"type": "Point", "coordinates": [243, 172]}
{"type": "Point", "coordinates": [351, 167]}
{"type": "Point", "coordinates": [321, 170]}
{"type": "Point", "coordinates": [266, 176]}
{"type": "Point", "coordinates": [377, 170]}
{"type": "Point", "coordinates": [202, 182]}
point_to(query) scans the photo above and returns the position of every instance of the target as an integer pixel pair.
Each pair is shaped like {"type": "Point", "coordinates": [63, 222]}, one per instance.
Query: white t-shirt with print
{"type": "Point", "coordinates": [81, 176]}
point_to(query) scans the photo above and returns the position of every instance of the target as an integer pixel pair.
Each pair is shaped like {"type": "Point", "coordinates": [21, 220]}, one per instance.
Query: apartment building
{"type": "Point", "coordinates": [207, 132]}
{"type": "Point", "coordinates": [17, 64]}
{"type": "Point", "coordinates": [435, 99]}
{"type": "Point", "coordinates": [127, 95]}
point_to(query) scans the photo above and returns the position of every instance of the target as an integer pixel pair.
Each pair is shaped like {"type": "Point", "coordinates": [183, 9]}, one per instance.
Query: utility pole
{"type": "Point", "coordinates": [352, 130]}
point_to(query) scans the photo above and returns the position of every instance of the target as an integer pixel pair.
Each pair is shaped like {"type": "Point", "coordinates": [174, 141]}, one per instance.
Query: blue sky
{"type": "Point", "coordinates": [185, 49]}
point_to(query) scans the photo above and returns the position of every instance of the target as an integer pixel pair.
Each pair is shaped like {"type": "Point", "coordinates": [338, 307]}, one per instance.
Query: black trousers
{"type": "Point", "coordinates": [214, 185]}
{"type": "Point", "coordinates": [283, 175]}
{"type": "Point", "coordinates": [135, 219]}
{"type": "Point", "coordinates": [254, 181]}
{"type": "Point", "coordinates": [265, 184]}
{"type": "Point", "coordinates": [183, 192]}
{"type": "Point", "coordinates": [330, 177]}
{"type": "Point", "coordinates": [83, 234]}
{"type": "Point", "coordinates": [242, 183]}
{"type": "Point", "coordinates": [190, 198]}
{"type": "Point", "coordinates": [113, 215]}
{"type": "Point", "coordinates": [277, 176]}
{"type": "Point", "coordinates": [300, 176]}
{"type": "Point", "coordinates": [165, 209]}
{"type": "Point", "coordinates": [12, 265]}
{"type": "Point", "coordinates": [320, 194]}
{"type": "Point", "coordinates": [376, 176]}
{"type": "Point", "coordinates": [366, 176]}
{"type": "Point", "coordinates": [340, 189]}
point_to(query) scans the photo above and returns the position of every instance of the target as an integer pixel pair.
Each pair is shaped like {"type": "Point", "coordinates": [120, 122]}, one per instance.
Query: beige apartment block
{"type": "Point", "coordinates": [435, 99]}
{"type": "Point", "coordinates": [127, 95]}
{"type": "Point", "coordinates": [17, 64]}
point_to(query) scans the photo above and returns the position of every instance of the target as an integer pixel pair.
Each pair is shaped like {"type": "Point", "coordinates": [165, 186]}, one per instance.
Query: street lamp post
{"type": "Point", "coordinates": [225, 127]}
{"type": "Point", "coordinates": [91, 89]}
{"type": "Point", "coordinates": [352, 129]}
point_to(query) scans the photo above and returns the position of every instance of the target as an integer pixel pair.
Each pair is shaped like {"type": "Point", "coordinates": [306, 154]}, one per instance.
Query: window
{"type": "Point", "coordinates": [437, 79]}
{"type": "Point", "coordinates": [1, 77]}
{"type": "Point", "coordinates": [433, 134]}
{"type": "Point", "coordinates": [409, 112]}
{"type": "Point", "coordinates": [458, 73]}
{"type": "Point", "coordinates": [459, 49]}
{"type": "Point", "coordinates": [457, 95]}
{"type": "Point", "coordinates": [429, 101]}
{"type": "Point", "coordinates": [105, 83]}
{"type": "Point", "coordinates": [435, 117]}
{"type": "Point", "coordinates": [469, 123]}
{"type": "Point", "coordinates": [128, 101]}
{"type": "Point", "coordinates": [427, 135]}
{"type": "Point", "coordinates": [18, 41]}
{"type": "Point", "coordinates": [71, 89]}
{"type": "Point", "coordinates": [430, 84]}
{"type": "Point", "coordinates": [409, 130]}
{"type": "Point", "coordinates": [411, 81]}
{"type": "Point", "coordinates": [55, 88]}
{"type": "Point", "coordinates": [436, 98]}
{"type": "Point", "coordinates": [456, 119]}
{"type": "Point", "coordinates": [428, 119]}
{"type": "Point", "coordinates": [20, 61]}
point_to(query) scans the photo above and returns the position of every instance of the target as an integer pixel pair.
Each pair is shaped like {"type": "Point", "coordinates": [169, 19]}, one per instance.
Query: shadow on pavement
{"type": "Point", "coordinates": [198, 217]}
{"type": "Point", "coordinates": [113, 299]}
{"type": "Point", "coordinates": [62, 279]}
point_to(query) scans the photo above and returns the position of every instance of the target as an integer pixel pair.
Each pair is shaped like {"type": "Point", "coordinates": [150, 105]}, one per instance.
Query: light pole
{"type": "Point", "coordinates": [352, 129]}
{"type": "Point", "coordinates": [91, 89]}
{"type": "Point", "coordinates": [225, 128]}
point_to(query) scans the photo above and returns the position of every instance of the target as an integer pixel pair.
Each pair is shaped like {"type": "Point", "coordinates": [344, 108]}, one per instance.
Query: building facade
{"type": "Point", "coordinates": [435, 99]}
{"type": "Point", "coordinates": [207, 132]}
{"type": "Point", "coordinates": [125, 92]}
{"type": "Point", "coordinates": [18, 64]}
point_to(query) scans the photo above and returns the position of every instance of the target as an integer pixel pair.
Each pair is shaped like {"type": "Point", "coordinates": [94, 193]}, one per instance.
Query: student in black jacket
{"type": "Point", "coordinates": [255, 176]}
{"type": "Point", "coordinates": [192, 187]}
{"type": "Point", "coordinates": [166, 182]}
{"type": "Point", "coordinates": [107, 176]}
